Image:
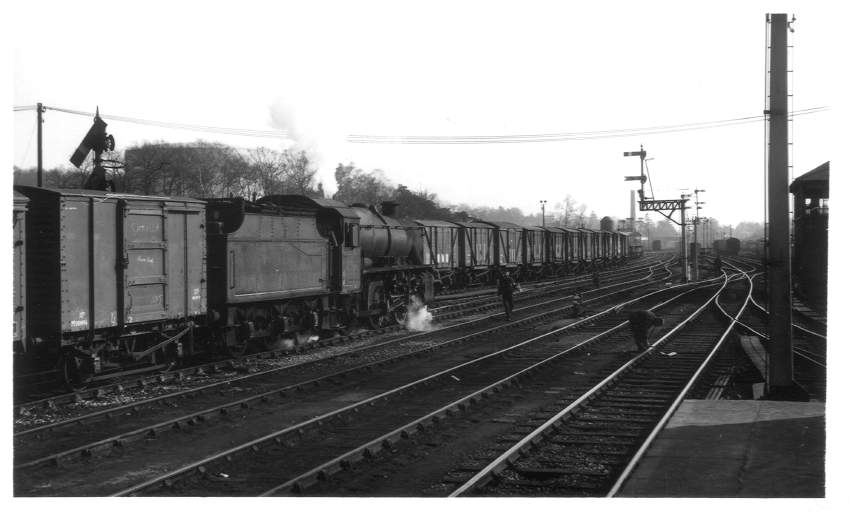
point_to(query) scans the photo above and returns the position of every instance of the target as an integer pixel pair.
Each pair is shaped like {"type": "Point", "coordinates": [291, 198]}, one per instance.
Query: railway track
{"type": "Point", "coordinates": [44, 381]}
{"type": "Point", "coordinates": [343, 436]}
{"type": "Point", "coordinates": [590, 447]}
{"type": "Point", "coordinates": [809, 349]}
{"type": "Point", "coordinates": [110, 443]}
{"type": "Point", "coordinates": [147, 383]}
{"type": "Point", "coordinates": [804, 319]}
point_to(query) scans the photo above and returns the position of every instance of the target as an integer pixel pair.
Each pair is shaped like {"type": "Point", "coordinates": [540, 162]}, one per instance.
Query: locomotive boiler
{"type": "Point", "coordinates": [394, 267]}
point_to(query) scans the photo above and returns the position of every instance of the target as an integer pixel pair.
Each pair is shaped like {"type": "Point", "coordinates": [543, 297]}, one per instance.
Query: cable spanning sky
{"type": "Point", "coordinates": [482, 103]}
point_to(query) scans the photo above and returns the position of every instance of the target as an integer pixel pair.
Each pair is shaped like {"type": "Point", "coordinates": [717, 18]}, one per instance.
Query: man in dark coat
{"type": "Point", "coordinates": [578, 306]}
{"type": "Point", "coordinates": [505, 287]}
{"type": "Point", "coordinates": [642, 322]}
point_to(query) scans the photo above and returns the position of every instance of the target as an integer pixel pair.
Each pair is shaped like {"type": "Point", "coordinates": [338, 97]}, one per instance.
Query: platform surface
{"type": "Point", "coordinates": [735, 448]}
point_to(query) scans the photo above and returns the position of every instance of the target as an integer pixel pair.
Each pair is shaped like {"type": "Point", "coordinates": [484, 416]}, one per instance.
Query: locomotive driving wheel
{"type": "Point", "coordinates": [400, 315]}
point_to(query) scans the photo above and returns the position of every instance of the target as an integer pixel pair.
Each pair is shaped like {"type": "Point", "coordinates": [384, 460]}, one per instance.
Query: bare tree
{"type": "Point", "coordinates": [298, 173]}
{"type": "Point", "coordinates": [569, 209]}
{"type": "Point", "coordinates": [146, 167]}
{"type": "Point", "coordinates": [284, 172]}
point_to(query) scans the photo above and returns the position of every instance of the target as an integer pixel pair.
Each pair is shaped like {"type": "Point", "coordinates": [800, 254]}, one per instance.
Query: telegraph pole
{"type": "Point", "coordinates": [780, 357]}
{"type": "Point", "coordinates": [696, 234]}
{"type": "Point", "coordinates": [543, 213]}
{"type": "Point", "coordinates": [39, 109]}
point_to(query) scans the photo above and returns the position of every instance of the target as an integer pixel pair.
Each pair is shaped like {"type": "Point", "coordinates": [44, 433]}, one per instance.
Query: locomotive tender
{"type": "Point", "coordinates": [110, 281]}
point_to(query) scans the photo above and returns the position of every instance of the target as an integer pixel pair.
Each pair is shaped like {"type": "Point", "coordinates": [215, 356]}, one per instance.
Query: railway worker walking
{"type": "Point", "coordinates": [505, 287]}
{"type": "Point", "coordinates": [642, 322]}
{"type": "Point", "coordinates": [578, 306]}
{"type": "Point", "coordinates": [718, 265]}
{"type": "Point", "coordinates": [596, 279]}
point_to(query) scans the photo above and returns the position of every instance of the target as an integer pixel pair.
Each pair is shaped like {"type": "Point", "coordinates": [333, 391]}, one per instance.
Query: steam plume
{"type": "Point", "coordinates": [418, 316]}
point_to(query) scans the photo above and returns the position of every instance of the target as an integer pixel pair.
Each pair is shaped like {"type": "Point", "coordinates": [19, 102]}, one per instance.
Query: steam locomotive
{"type": "Point", "coordinates": [112, 281]}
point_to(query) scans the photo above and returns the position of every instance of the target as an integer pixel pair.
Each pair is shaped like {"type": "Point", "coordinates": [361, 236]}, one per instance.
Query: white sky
{"type": "Point", "coordinates": [324, 70]}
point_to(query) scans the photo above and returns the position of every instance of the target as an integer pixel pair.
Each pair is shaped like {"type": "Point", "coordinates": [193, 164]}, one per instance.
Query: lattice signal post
{"type": "Point", "coordinates": [661, 206]}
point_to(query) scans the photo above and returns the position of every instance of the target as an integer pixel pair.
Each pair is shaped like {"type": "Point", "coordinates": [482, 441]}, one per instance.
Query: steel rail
{"type": "Point", "coordinates": [812, 357]}
{"type": "Point", "coordinates": [375, 445]}
{"type": "Point", "coordinates": [798, 327]}
{"type": "Point", "coordinates": [381, 442]}
{"type": "Point", "coordinates": [214, 385]}
{"type": "Point", "coordinates": [101, 391]}
{"type": "Point", "coordinates": [199, 465]}
{"type": "Point", "coordinates": [809, 356]}
{"type": "Point", "coordinates": [197, 416]}
{"type": "Point", "coordinates": [755, 303]}
{"type": "Point", "coordinates": [487, 473]}
{"type": "Point", "coordinates": [567, 280]}
{"type": "Point", "coordinates": [681, 397]}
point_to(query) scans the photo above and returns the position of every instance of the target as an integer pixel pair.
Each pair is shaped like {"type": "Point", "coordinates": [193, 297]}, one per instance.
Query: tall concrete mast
{"type": "Point", "coordinates": [780, 364]}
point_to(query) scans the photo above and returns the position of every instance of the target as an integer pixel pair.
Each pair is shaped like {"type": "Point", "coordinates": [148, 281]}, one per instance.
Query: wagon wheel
{"type": "Point", "coordinates": [348, 321]}
{"type": "Point", "coordinates": [238, 345]}
{"type": "Point", "coordinates": [75, 371]}
{"type": "Point", "coordinates": [237, 349]}
{"type": "Point", "coordinates": [376, 320]}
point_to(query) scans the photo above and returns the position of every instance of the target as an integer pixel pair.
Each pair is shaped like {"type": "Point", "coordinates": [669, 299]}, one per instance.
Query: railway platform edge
{"type": "Point", "coordinates": [736, 448]}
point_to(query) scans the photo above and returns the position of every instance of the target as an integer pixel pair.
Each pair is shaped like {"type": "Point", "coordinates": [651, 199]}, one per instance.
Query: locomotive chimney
{"type": "Point", "coordinates": [389, 208]}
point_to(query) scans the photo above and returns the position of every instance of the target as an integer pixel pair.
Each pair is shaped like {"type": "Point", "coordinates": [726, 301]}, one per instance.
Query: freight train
{"type": "Point", "coordinates": [111, 281]}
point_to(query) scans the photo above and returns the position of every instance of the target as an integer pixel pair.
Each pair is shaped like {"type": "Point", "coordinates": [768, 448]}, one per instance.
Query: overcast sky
{"type": "Point", "coordinates": [325, 70]}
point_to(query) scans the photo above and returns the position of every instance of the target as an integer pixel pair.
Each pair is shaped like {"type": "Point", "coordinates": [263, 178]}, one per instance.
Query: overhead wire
{"type": "Point", "coordinates": [243, 132]}
{"type": "Point", "coordinates": [445, 139]}
{"type": "Point", "coordinates": [555, 137]}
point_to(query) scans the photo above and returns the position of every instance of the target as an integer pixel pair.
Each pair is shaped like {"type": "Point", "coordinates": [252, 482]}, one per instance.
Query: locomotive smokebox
{"type": "Point", "coordinates": [383, 236]}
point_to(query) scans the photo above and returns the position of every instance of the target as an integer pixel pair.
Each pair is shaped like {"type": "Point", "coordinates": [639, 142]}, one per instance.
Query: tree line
{"type": "Point", "coordinates": [204, 169]}
{"type": "Point", "coordinates": [201, 169]}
